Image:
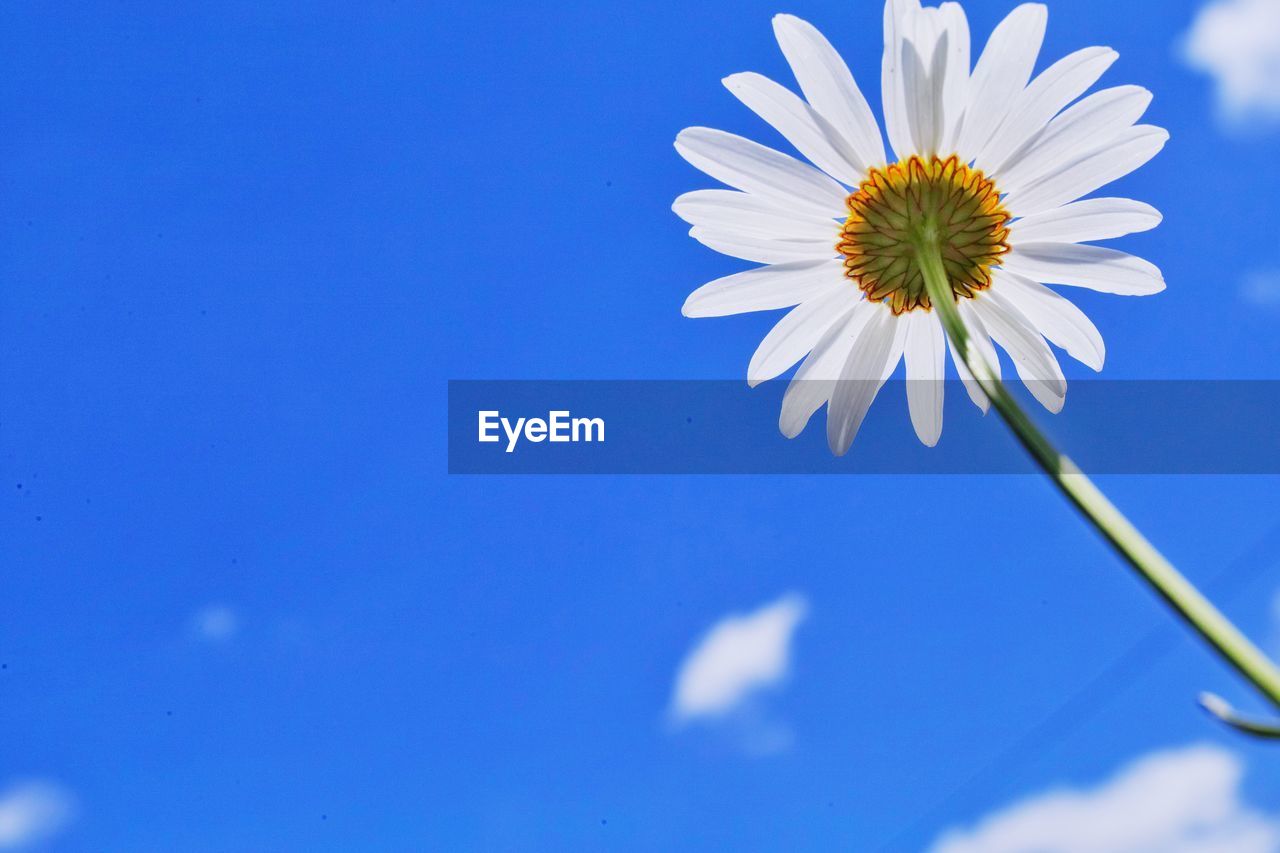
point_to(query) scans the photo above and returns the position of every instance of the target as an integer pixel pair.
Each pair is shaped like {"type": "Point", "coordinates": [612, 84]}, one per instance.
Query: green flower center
{"type": "Point", "coordinates": [943, 202]}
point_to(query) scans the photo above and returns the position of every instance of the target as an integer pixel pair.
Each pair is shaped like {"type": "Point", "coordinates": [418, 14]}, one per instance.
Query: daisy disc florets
{"type": "Point", "coordinates": [894, 210]}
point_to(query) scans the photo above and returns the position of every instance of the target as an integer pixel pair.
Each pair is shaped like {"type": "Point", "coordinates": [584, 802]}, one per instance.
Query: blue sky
{"type": "Point", "coordinates": [245, 607]}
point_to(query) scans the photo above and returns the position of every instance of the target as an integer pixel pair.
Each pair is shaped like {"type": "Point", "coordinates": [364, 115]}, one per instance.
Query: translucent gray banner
{"type": "Point", "coordinates": [724, 427]}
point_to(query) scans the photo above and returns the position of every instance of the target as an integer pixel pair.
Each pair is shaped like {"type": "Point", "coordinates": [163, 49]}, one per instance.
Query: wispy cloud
{"type": "Point", "coordinates": [215, 623]}
{"type": "Point", "coordinates": [1238, 43]}
{"type": "Point", "coordinates": [739, 656]}
{"type": "Point", "coordinates": [1261, 289]}
{"type": "Point", "coordinates": [31, 812]}
{"type": "Point", "coordinates": [1185, 800]}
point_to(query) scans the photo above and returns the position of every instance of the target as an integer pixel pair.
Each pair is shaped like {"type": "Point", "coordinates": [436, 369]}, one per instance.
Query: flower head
{"type": "Point", "coordinates": [989, 168]}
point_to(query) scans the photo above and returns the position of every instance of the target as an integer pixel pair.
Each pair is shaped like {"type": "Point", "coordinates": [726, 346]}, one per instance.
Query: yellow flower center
{"type": "Point", "coordinates": [894, 210]}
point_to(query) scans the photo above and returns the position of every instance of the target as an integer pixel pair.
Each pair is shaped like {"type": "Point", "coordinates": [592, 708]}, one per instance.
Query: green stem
{"type": "Point", "coordinates": [1159, 573]}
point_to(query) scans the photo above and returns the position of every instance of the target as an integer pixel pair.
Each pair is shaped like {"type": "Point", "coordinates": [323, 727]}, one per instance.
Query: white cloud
{"type": "Point", "coordinates": [1261, 289]}
{"type": "Point", "coordinates": [738, 657]}
{"type": "Point", "coordinates": [1238, 43]}
{"type": "Point", "coordinates": [31, 812]}
{"type": "Point", "coordinates": [1177, 801]}
{"type": "Point", "coordinates": [215, 623]}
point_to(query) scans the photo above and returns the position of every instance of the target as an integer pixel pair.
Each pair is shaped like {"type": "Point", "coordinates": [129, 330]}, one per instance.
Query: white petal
{"type": "Point", "coordinates": [763, 250]}
{"type": "Point", "coordinates": [1080, 265]}
{"type": "Point", "coordinates": [1089, 171]}
{"type": "Point", "coordinates": [731, 211]}
{"type": "Point", "coordinates": [955, 90]}
{"type": "Point", "coordinates": [829, 87]}
{"type": "Point", "coordinates": [1001, 73]}
{"type": "Point", "coordinates": [918, 82]}
{"type": "Point", "coordinates": [1032, 358]}
{"type": "Point", "coordinates": [860, 381]}
{"type": "Point", "coordinates": [980, 336]}
{"type": "Point", "coordinates": [922, 27]}
{"type": "Point", "coordinates": [1054, 317]}
{"type": "Point", "coordinates": [816, 377]}
{"type": "Point", "coordinates": [1085, 221]}
{"type": "Point", "coordinates": [1094, 121]}
{"type": "Point", "coordinates": [752, 167]}
{"type": "Point", "coordinates": [895, 349]}
{"type": "Point", "coordinates": [801, 125]}
{"type": "Point", "coordinates": [971, 386]}
{"type": "Point", "coordinates": [1057, 86]}
{"type": "Point", "coordinates": [898, 15]}
{"type": "Point", "coordinates": [926, 351]}
{"type": "Point", "coordinates": [924, 78]}
{"type": "Point", "coordinates": [1044, 390]}
{"type": "Point", "coordinates": [982, 341]}
{"type": "Point", "coordinates": [765, 288]}
{"type": "Point", "coordinates": [797, 333]}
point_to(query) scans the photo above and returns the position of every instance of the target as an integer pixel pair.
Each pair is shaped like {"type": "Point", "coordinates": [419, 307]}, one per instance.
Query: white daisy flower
{"type": "Point", "coordinates": [988, 159]}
